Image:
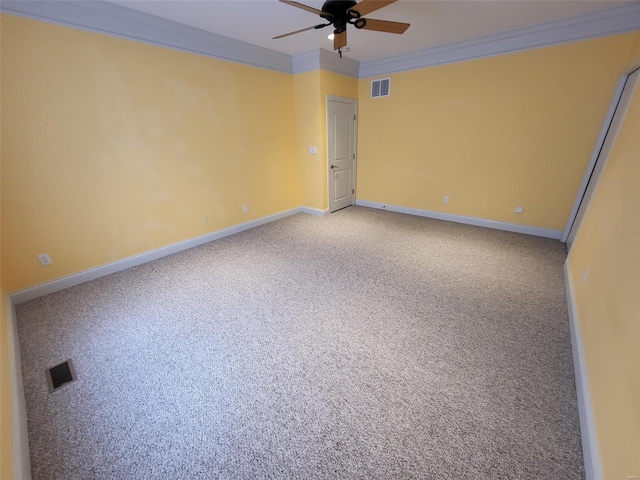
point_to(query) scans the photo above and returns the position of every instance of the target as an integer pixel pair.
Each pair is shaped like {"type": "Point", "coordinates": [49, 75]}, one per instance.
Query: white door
{"type": "Point", "coordinates": [341, 148]}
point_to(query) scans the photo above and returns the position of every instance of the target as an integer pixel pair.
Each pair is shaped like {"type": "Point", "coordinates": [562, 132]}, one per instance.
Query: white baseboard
{"type": "Point", "coordinates": [590, 451]}
{"type": "Point", "coordinates": [315, 211]}
{"type": "Point", "coordinates": [479, 222]}
{"type": "Point", "coordinates": [119, 265]}
{"type": "Point", "coordinates": [21, 457]}
{"type": "Point", "coordinates": [20, 434]}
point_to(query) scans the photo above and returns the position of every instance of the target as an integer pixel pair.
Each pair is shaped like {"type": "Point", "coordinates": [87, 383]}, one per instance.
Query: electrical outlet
{"type": "Point", "coordinates": [519, 210]}
{"type": "Point", "coordinates": [585, 275]}
{"type": "Point", "coordinates": [205, 219]}
{"type": "Point", "coordinates": [245, 208]}
{"type": "Point", "coordinates": [45, 259]}
{"type": "Point", "coordinates": [446, 199]}
{"type": "Point", "coordinates": [632, 477]}
{"type": "Point", "coordinates": [313, 150]}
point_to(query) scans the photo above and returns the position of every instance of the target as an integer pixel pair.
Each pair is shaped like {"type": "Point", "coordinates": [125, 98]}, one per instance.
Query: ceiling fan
{"type": "Point", "coordinates": [340, 13]}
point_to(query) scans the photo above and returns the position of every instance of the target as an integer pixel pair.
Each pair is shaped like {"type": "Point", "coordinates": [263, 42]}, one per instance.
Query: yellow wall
{"type": "Point", "coordinates": [311, 90]}
{"type": "Point", "coordinates": [608, 303]}
{"type": "Point", "coordinates": [309, 128]}
{"type": "Point", "coordinates": [112, 148]}
{"type": "Point", "coordinates": [332, 83]}
{"type": "Point", "coordinates": [492, 134]}
{"type": "Point", "coordinates": [6, 440]}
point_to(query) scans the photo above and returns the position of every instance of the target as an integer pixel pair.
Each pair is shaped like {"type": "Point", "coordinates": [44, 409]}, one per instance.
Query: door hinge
{"type": "Point", "coordinates": [354, 117]}
{"type": "Point", "coordinates": [354, 156]}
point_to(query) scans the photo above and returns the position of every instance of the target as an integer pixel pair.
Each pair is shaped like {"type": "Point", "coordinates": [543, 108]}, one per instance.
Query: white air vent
{"type": "Point", "coordinates": [380, 88]}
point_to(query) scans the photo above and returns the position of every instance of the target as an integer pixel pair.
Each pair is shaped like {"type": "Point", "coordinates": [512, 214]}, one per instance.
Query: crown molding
{"type": "Point", "coordinates": [305, 62]}
{"type": "Point", "coordinates": [332, 61]}
{"type": "Point", "coordinates": [325, 60]}
{"type": "Point", "coordinates": [112, 19]}
{"type": "Point", "coordinates": [103, 17]}
{"type": "Point", "coordinates": [605, 22]}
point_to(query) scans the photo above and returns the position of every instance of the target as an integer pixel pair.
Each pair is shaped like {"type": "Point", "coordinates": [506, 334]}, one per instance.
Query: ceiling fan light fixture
{"type": "Point", "coordinates": [331, 36]}
{"type": "Point", "coordinates": [341, 13]}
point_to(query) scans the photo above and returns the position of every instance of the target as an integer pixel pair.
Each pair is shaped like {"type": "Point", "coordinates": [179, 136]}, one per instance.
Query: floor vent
{"type": "Point", "coordinates": [60, 375]}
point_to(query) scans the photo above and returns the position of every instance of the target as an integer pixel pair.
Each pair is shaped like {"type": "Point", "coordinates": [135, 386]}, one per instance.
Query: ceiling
{"type": "Point", "coordinates": [433, 23]}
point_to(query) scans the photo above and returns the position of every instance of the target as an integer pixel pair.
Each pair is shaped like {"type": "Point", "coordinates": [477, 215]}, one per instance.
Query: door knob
{"type": "Point", "coordinates": [334, 166]}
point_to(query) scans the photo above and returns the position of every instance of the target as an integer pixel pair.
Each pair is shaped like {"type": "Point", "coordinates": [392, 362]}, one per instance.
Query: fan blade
{"type": "Point", "coordinates": [340, 40]}
{"type": "Point", "coordinates": [367, 6]}
{"type": "Point", "coordinates": [301, 30]}
{"type": "Point", "coordinates": [302, 6]}
{"type": "Point", "coordinates": [386, 26]}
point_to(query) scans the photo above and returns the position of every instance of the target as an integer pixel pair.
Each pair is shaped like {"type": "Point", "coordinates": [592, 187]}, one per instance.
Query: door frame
{"type": "Point", "coordinates": [354, 102]}
{"type": "Point", "coordinates": [599, 157]}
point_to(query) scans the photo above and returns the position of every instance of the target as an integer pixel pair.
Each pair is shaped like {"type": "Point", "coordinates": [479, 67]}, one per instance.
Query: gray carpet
{"type": "Point", "coordinates": [363, 345]}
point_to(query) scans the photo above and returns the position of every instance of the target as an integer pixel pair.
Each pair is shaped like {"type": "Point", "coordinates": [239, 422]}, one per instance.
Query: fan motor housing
{"type": "Point", "coordinates": [337, 9]}
{"type": "Point", "coordinates": [342, 13]}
